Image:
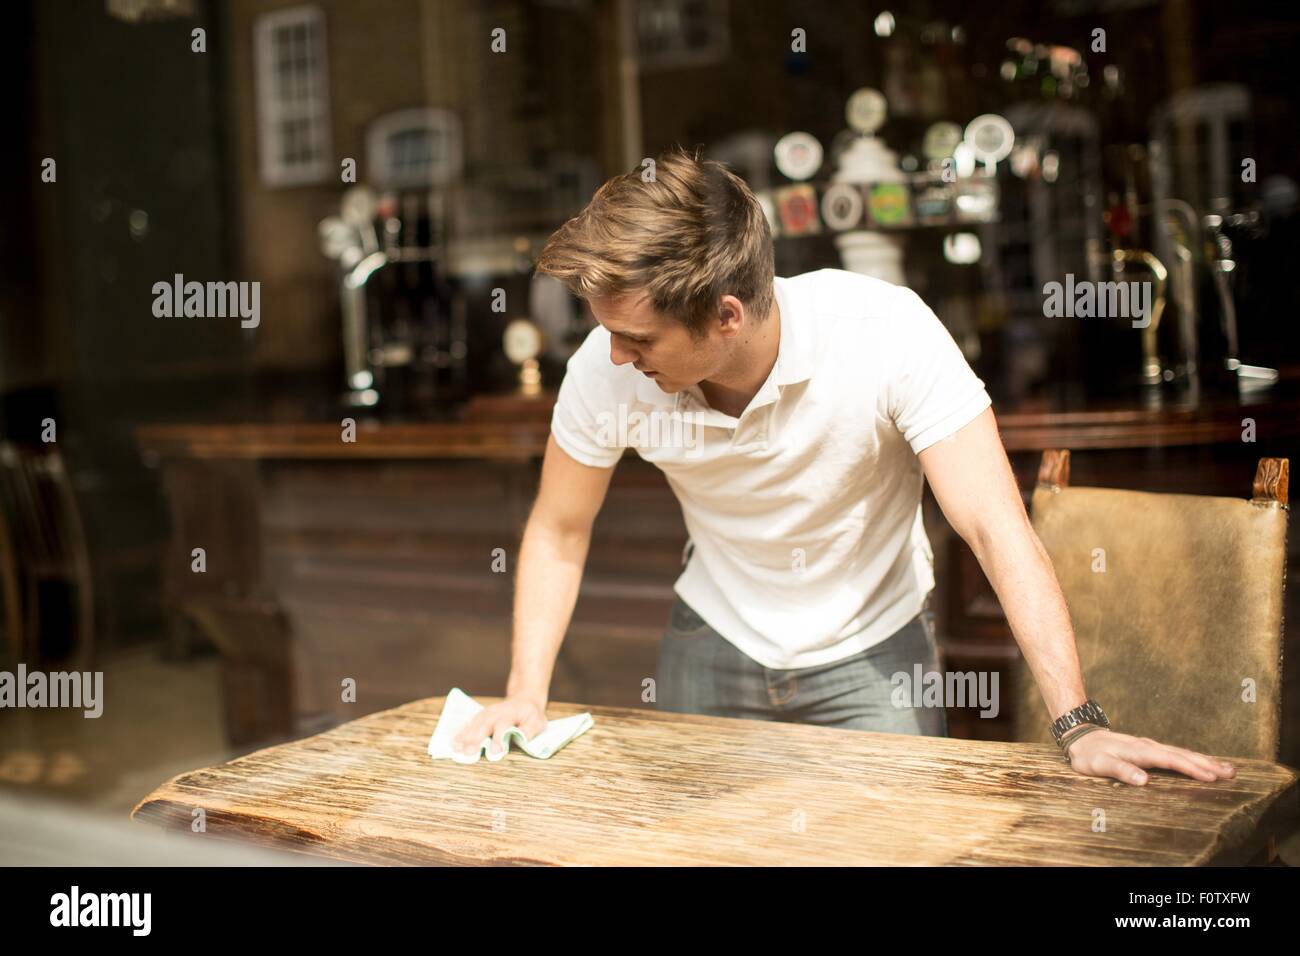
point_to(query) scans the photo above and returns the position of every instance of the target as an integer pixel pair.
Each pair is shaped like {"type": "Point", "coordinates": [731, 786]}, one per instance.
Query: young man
{"type": "Point", "coordinates": [795, 419]}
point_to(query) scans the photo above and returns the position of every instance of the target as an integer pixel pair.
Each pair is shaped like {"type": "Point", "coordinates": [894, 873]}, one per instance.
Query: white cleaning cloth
{"type": "Point", "coordinates": [460, 708]}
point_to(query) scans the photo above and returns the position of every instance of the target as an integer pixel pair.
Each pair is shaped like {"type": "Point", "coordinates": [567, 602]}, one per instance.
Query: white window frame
{"type": "Point", "coordinates": [443, 124]}
{"type": "Point", "coordinates": [273, 108]}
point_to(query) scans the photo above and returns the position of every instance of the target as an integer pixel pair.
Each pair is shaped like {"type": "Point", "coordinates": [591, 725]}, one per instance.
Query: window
{"type": "Point", "coordinates": [292, 97]}
{"type": "Point", "coordinates": [681, 33]}
{"type": "Point", "coordinates": [413, 148]}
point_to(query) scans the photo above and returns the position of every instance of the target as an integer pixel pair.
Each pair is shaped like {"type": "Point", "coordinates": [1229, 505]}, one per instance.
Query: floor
{"type": "Point", "coordinates": [160, 718]}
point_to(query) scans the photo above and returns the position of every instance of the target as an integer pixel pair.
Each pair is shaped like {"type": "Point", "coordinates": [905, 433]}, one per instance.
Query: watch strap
{"type": "Point", "coordinates": [1089, 712]}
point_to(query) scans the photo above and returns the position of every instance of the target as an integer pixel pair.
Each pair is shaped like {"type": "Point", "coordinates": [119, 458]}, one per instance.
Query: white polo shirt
{"type": "Point", "coordinates": [804, 513]}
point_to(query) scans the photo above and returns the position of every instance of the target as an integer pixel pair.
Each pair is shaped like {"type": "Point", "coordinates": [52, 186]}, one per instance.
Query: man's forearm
{"type": "Point", "coordinates": [546, 590]}
{"type": "Point", "coordinates": [1022, 575]}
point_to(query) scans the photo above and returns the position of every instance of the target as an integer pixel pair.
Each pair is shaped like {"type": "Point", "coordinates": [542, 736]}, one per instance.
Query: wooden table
{"type": "Point", "coordinates": [645, 788]}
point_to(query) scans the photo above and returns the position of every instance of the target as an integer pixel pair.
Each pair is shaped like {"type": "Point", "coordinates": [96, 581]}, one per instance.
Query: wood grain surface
{"type": "Point", "coordinates": [648, 788]}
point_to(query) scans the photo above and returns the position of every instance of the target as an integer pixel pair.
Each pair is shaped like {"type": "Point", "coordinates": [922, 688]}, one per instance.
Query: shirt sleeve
{"type": "Point", "coordinates": [585, 413]}
{"type": "Point", "coordinates": [933, 392]}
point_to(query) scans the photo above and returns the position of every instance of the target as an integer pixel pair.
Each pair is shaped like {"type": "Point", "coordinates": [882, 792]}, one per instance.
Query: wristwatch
{"type": "Point", "coordinates": [1089, 712]}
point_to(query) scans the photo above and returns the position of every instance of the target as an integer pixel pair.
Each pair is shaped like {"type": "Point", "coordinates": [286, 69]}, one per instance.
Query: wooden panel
{"type": "Point", "coordinates": [385, 572]}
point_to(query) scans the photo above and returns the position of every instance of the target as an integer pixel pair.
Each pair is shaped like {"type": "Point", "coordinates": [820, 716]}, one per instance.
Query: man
{"type": "Point", "coordinates": [796, 420]}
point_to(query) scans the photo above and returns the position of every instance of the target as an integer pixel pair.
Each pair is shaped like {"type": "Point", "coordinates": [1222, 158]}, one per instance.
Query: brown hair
{"type": "Point", "coordinates": [688, 237]}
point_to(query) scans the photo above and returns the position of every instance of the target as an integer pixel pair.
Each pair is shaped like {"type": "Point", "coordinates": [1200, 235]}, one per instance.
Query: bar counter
{"type": "Point", "coordinates": [513, 429]}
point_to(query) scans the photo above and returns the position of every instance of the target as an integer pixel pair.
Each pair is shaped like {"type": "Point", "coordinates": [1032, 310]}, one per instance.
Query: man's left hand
{"type": "Point", "coordinates": [1104, 753]}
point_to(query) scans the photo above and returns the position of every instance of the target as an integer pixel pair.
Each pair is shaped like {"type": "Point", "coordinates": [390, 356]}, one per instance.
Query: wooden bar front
{"type": "Point", "coordinates": [373, 559]}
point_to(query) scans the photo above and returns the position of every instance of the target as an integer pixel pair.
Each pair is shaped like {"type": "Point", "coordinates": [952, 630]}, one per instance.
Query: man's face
{"type": "Point", "coordinates": [658, 345]}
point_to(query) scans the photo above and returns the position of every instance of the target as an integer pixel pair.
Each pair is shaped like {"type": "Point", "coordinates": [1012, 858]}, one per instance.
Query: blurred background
{"type": "Point", "coordinates": [231, 517]}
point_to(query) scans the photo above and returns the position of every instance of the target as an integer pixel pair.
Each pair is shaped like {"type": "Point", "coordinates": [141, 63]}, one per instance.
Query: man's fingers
{"type": "Point", "coordinates": [465, 733]}
{"type": "Point", "coordinates": [1166, 759]}
{"type": "Point", "coordinates": [472, 734]}
{"type": "Point", "coordinates": [1113, 765]}
{"type": "Point", "coordinates": [490, 723]}
{"type": "Point", "coordinates": [1124, 757]}
{"type": "Point", "coordinates": [1184, 761]}
{"type": "Point", "coordinates": [1211, 766]}
{"type": "Point", "coordinates": [1223, 767]}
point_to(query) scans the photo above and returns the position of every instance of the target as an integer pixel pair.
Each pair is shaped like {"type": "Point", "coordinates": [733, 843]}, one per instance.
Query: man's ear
{"type": "Point", "coordinates": [731, 314]}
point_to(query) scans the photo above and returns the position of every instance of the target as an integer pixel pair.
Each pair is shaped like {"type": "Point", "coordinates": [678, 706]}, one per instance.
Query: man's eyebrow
{"type": "Point", "coordinates": [635, 336]}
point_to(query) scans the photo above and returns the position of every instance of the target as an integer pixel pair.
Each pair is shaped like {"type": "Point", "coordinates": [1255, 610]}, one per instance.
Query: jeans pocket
{"type": "Point", "coordinates": [684, 622]}
{"type": "Point", "coordinates": [932, 638]}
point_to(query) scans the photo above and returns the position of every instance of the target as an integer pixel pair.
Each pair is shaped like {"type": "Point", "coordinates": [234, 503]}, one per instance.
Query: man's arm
{"type": "Point", "coordinates": [973, 483]}
{"type": "Point", "coordinates": [551, 559]}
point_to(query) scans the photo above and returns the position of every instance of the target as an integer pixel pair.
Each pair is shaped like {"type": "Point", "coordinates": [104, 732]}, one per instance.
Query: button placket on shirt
{"type": "Point", "coordinates": [750, 430]}
{"type": "Point", "coordinates": [755, 421]}
{"type": "Point", "coordinates": [699, 412]}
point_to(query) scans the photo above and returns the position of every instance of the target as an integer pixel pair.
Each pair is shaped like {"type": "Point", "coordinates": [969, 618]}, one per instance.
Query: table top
{"type": "Point", "coordinates": [643, 787]}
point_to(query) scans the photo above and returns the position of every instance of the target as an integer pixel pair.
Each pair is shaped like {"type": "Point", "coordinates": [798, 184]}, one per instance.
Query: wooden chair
{"type": "Point", "coordinates": [44, 537]}
{"type": "Point", "coordinates": [1176, 602]}
{"type": "Point", "coordinates": [11, 586]}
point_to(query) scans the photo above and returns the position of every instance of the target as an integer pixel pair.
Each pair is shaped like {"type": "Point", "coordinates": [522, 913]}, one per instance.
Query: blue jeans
{"type": "Point", "coordinates": [700, 672]}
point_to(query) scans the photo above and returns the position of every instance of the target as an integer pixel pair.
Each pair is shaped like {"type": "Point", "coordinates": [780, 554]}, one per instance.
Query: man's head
{"type": "Point", "coordinates": [678, 269]}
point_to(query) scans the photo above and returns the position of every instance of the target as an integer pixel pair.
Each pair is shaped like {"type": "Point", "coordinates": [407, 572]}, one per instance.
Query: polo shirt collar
{"type": "Point", "coordinates": [793, 356]}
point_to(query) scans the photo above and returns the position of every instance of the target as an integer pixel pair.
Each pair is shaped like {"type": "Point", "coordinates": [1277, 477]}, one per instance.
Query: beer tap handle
{"type": "Point", "coordinates": [1153, 371]}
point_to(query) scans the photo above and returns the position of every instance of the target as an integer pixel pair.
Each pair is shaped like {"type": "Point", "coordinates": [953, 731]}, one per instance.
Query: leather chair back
{"type": "Point", "coordinates": [1176, 602]}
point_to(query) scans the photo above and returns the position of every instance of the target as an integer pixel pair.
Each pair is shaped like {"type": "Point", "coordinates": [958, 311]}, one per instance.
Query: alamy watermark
{"type": "Point", "coordinates": [1102, 300]}
{"type": "Point", "coordinates": [58, 689]}
{"type": "Point", "coordinates": [130, 910]}
{"type": "Point", "coordinates": [208, 300]}
{"type": "Point", "coordinates": [923, 688]}
{"type": "Point", "coordinates": [653, 429]}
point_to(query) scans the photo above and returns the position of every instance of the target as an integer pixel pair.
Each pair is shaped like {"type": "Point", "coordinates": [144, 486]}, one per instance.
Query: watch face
{"type": "Point", "coordinates": [522, 340]}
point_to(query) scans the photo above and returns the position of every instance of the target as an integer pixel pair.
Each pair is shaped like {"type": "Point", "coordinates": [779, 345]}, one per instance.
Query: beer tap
{"type": "Point", "coordinates": [1181, 230]}
{"type": "Point", "coordinates": [1222, 266]}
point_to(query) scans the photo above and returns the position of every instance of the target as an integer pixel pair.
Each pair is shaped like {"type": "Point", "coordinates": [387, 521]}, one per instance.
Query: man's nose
{"type": "Point", "coordinates": [620, 356]}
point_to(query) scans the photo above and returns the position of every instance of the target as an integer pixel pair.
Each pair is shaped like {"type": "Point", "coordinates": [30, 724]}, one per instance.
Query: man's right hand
{"type": "Point", "coordinates": [548, 574]}
{"type": "Point", "coordinates": [526, 713]}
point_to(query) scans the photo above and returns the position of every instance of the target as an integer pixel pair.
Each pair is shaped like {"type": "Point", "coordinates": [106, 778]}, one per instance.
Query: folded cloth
{"type": "Point", "coordinates": [460, 708]}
